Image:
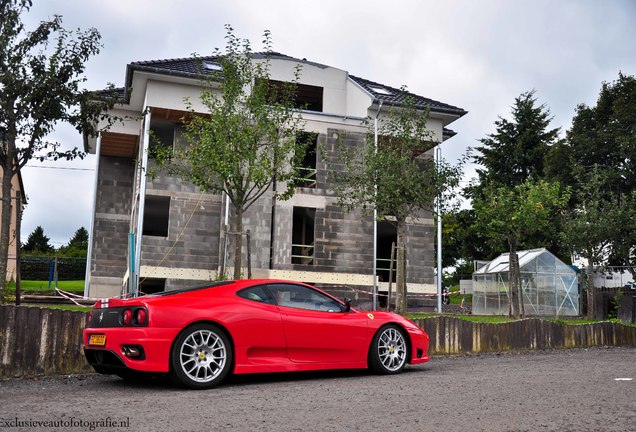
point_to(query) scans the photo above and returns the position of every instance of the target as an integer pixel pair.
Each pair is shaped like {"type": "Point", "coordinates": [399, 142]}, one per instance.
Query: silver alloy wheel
{"type": "Point", "coordinates": [203, 355]}
{"type": "Point", "coordinates": [392, 349]}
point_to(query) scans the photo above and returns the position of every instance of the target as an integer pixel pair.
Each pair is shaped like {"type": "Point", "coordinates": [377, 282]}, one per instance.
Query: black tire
{"type": "Point", "coordinates": [389, 350]}
{"type": "Point", "coordinates": [204, 361]}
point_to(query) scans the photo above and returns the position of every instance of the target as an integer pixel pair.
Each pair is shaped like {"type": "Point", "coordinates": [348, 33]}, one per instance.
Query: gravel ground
{"type": "Point", "coordinates": [572, 390]}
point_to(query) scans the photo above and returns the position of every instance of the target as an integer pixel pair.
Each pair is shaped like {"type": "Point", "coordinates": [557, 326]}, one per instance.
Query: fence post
{"type": "Point", "coordinates": [50, 273]}
{"type": "Point", "coordinates": [224, 254]}
{"type": "Point", "coordinates": [388, 299]}
{"type": "Point", "coordinates": [18, 226]}
{"type": "Point", "coordinates": [55, 275]}
{"type": "Point", "coordinates": [249, 255]}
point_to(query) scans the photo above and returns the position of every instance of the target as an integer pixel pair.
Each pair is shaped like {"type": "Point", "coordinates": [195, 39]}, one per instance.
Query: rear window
{"type": "Point", "coordinates": [258, 294]}
{"type": "Point", "coordinates": [197, 288]}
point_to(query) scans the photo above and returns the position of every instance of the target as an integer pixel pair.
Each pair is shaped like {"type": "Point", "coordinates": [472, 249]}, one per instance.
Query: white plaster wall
{"type": "Point", "coordinates": [436, 126]}
{"type": "Point", "coordinates": [131, 121]}
{"type": "Point", "coordinates": [358, 100]}
{"type": "Point", "coordinates": [172, 95]}
{"type": "Point", "coordinates": [334, 82]}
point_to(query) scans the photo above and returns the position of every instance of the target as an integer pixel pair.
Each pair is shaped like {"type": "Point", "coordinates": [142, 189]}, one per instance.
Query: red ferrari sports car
{"type": "Point", "coordinates": [199, 335]}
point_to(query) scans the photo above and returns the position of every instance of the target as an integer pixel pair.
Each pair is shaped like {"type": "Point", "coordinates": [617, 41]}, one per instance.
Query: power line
{"type": "Point", "coordinates": [60, 168]}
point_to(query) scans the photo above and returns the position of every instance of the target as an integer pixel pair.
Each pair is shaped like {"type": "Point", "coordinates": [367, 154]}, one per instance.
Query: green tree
{"type": "Point", "coordinates": [77, 245]}
{"type": "Point", "coordinates": [623, 250]}
{"type": "Point", "coordinates": [462, 240]}
{"type": "Point", "coordinates": [247, 139]}
{"type": "Point", "coordinates": [399, 179]}
{"type": "Point", "coordinates": [515, 215]}
{"type": "Point", "coordinates": [38, 243]}
{"type": "Point", "coordinates": [603, 136]}
{"type": "Point", "coordinates": [40, 79]}
{"type": "Point", "coordinates": [601, 163]}
{"type": "Point", "coordinates": [515, 152]}
{"type": "Point", "coordinates": [463, 243]}
{"type": "Point", "coordinates": [592, 225]}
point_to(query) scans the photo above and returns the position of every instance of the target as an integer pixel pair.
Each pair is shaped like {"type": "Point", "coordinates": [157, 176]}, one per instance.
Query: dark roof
{"type": "Point", "coordinates": [186, 67]}
{"type": "Point", "coordinates": [119, 94]}
{"type": "Point", "coordinates": [392, 96]}
{"type": "Point", "coordinates": [448, 133]}
{"type": "Point", "coordinates": [190, 67]}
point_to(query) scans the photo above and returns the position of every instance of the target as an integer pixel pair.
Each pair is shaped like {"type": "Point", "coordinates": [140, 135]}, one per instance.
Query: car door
{"type": "Point", "coordinates": [258, 329]}
{"type": "Point", "coordinates": [317, 328]}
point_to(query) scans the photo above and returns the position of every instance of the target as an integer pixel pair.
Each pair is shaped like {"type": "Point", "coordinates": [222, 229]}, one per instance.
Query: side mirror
{"type": "Point", "coordinates": [347, 302]}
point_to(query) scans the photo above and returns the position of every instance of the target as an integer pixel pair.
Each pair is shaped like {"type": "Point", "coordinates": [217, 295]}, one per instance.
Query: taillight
{"type": "Point", "coordinates": [140, 316]}
{"type": "Point", "coordinates": [89, 317]}
{"type": "Point", "coordinates": [127, 316]}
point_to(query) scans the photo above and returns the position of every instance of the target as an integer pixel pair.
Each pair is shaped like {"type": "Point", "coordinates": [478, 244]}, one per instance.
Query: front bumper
{"type": "Point", "coordinates": [109, 358]}
{"type": "Point", "coordinates": [419, 346]}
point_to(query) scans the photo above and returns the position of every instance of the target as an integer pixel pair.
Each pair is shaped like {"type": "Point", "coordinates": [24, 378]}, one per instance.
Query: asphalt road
{"type": "Point", "coordinates": [573, 390]}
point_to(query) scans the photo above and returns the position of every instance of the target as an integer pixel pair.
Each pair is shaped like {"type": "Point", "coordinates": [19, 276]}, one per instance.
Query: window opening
{"type": "Point", "coordinates": [156, 216]}
{"type": "Point", "coordinates": [162, 135]}
{"type": "Point", "coordinates": [307, 170]}
{"type": "Point", "coordinates": [152, 285]}
{"type": "Point", "coordinates": [303, 235]}
{"type": "Point", "coordinates": [387, 235]}
{"type": "Point", "coordinates": [305, 97]}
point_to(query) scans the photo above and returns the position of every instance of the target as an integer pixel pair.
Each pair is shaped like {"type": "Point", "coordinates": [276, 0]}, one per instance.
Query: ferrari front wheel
{"type": "Point", "coordinates": [201, 356]}
{"type": "Point", "coordinates": [389, 350]}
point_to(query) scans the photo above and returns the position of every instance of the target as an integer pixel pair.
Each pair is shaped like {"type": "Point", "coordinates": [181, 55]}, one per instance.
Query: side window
{"type": "Point", "coordinates": [258, 294]}
{"type": "Point", "coordinates": [301, 297]}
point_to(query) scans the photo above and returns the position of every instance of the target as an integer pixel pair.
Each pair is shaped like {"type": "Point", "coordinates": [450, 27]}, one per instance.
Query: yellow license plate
{"type": "Point", "coordinates": [97, 339]}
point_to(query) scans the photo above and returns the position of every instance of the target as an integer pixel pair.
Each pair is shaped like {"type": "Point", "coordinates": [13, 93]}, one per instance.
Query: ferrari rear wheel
{"type": "Point", "coordinates": [201, 356]}
{"type": "Point", "coordinates": [389, 350]}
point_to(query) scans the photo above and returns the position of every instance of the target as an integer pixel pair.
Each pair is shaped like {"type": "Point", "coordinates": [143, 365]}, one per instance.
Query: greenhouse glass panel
{"type": "Point", "coordinates": [549, 287]}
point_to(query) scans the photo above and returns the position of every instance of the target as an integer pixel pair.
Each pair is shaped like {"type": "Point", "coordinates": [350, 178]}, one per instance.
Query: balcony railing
{"type": "Point", "coordinates": [307, 177]}
{"type": "Point", "coordinates": [302, 254]}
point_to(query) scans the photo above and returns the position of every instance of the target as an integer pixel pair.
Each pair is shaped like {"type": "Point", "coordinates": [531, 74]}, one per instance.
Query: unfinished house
{"type": "Point", "coordinates": [163, 233]}
{"type": "Point", "coordinates": [18, 200]}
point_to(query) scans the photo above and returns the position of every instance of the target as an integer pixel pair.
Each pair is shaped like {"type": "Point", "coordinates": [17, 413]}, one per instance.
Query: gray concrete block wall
{"type": "Point", "coordinates": [257, 219]}
{"type": "Point", "coordinates": [112, 216]}
{"type": "Point", "coordinates": [175, 284]}
{"type": "Point", "coordinates": [283, 238]}
{"type": "Point", "coordinates": [420, 252]}
{"type": "Point", "coordinates": [343, 241]}
{"type": "Point", "coordinates": [193, 232]}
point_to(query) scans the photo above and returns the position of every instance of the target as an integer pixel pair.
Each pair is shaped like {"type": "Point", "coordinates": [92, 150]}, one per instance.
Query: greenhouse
{"type": "Point", "coordinates": [549, 286]}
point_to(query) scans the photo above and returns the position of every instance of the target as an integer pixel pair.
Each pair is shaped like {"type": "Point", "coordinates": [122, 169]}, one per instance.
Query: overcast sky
{"type": "Point", "coordinates": [478, 55]}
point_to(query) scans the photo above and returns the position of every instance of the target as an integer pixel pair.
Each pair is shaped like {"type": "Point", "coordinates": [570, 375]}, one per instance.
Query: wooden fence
{"type": "Point", "coordinates": [451, 335]}
{"type": "Point", "coordinates": [37, 341]}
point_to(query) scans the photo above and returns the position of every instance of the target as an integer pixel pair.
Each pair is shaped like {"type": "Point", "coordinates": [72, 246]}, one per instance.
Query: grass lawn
{"type": "Point", "coordinates": [65, 307]}
{"type": "Point", "coordinates": [31, 286]}
{"type": "Point", "coordinates": [505, 319]}
{"type": "Point", "coordinates": [456, 297]}
{"type": "Point", "coordinates": [474, 318]}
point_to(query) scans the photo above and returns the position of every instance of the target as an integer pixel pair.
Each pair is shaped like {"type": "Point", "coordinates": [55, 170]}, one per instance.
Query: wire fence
{"type": "Point", "coordinates": [52, 268]}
